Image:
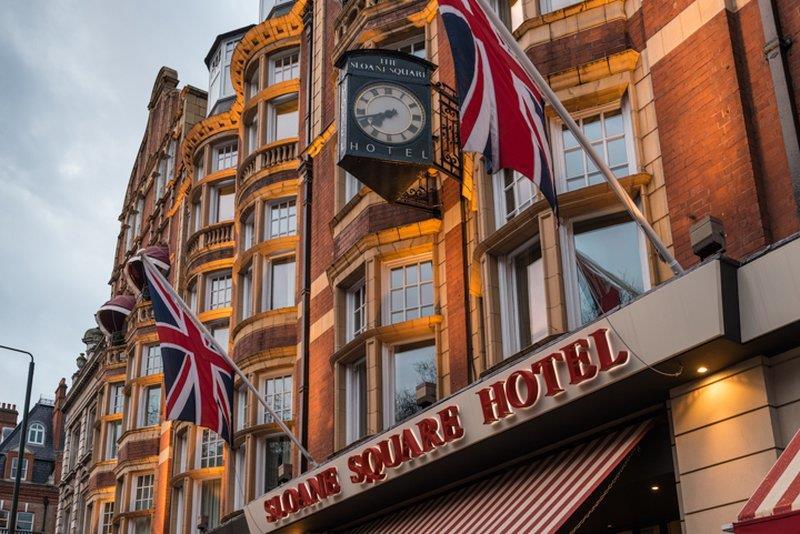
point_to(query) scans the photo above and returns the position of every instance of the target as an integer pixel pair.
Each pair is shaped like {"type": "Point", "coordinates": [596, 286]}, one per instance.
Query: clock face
{"type": "Point", "coordinates": [389, 113]}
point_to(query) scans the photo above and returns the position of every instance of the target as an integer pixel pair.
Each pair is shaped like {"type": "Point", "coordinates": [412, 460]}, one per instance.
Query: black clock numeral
{"type": "Point", "coordinates": [416, 118]}
{"type": "Point", "coordinates": [389, 137]}
{"type": "Point", "coordinates": [413, 105]}
{"type": "Point", "coordinates": [388, 91]}
{"type": "Point", "coordinates": [375, 92]}
{"type": "Point", "coordinates": [413, 129]}
{"type": "Point", "coordinates": [361, 111]}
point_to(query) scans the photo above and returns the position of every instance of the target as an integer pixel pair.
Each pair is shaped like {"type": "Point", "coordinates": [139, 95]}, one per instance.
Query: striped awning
{"type": "Point", "coordinates": [776, 501]}
{"type": "Point", "coordinates": [533, 497]}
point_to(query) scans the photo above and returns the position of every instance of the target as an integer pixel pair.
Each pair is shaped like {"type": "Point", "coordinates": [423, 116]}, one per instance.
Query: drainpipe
{"type": "Point", "coordinates": [774, 53]}
{"type": "Point", "coordinates": [307, 172]}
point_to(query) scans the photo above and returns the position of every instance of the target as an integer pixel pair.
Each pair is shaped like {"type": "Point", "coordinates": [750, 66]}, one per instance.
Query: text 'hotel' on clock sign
{"type": "Point", "coordinates": [385, 136]}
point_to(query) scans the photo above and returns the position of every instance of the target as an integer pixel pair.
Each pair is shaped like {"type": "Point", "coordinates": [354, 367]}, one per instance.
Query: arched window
{"type": "Point", "coordinates": [36, 434]}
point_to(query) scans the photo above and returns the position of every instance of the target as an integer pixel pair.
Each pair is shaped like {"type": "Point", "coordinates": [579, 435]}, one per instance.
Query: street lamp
{"type": "Point", "coordinates": [21, 454]}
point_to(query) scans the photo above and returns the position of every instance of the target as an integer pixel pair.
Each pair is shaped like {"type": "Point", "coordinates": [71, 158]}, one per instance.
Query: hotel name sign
{"type": "Point", "coordinates": [587, 361]}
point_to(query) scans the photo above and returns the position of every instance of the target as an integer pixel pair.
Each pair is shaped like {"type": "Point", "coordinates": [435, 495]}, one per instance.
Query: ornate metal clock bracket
{"type": "Point", "coordinates": [424, 195]}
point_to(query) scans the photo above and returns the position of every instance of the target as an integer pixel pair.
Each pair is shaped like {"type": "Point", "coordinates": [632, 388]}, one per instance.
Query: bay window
{"type": "Point", "coordinates": [151, 360]}
{"type": "Point", "coordinates": [249, 230]}
{"type": "Point", "coordinates": [251, 133]}
{"type": "Point", "coordinates": [610, 133]}
{"type": "Point", "coordinates": [252, 83]}
{"type": "Point", "coordinates": [107, 518]}
{"type": "Point", "coordinates": [113, 433]}
{"type": "Point", "coordinates": [283, 119]}
{"type": "Point", "coordinates": [407, 369]}
{"type": "Point", "coordinates": [222, 202]}
{"type": "Point", "coordinates": [143, 494]}
{"type": "Point", "coordinates": [211, 449]}
{"type": "Point", "coordinates": [356, 310]}
{"type": "Point", "coordinates": [523, 300]}
{"type": "Point", "coordinates": [548, 6]}
{"type": "Point", "coordinates": [210, 500]}
{"type": "Point", "coordinates": [225, 155]}
{"type": "Point", "coordinates": [279, 285]}
{"type": "Point", "coordinates": [284, 66]}
{"type": "Point", "coordinates": [115, 398]}
{"type": "Point", "coordinates": [352, 186]}
{"type": "Point", "coordinates": [151, 406]}
{"type": "Point", "coordinates": [197, 216]}
{"type": "Point", "coordinates": [275, 451]}
{"type": "Point", "coordinates": [356, 387]}
{"type": "Point", "coordinates": [414, 46]}
{"type": "Point", "coordinates": [246, 296]}
{"type": "Point", "coordinates": [410, 291]}
{"type": "Point", "coordinates": [281, 219]}
{"type": "Point", "coordinates": [513, 193]}
{"type": "Point", "coordinates": [218, 291]}
{"type": "Point", "coordinates": [278, 394]}
{"type": "Point", "coordinates": [607, 262]}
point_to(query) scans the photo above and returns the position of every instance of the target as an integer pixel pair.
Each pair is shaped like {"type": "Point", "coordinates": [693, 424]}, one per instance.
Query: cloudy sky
{"type": "Point", "coordinates": [75, 79]}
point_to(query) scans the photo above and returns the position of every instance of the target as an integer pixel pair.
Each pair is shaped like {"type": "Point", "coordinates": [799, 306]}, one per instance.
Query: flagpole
{"type": "Point", "coordinates": [239, 372]}
{"type": "Point", "coordinates": [562, 112]}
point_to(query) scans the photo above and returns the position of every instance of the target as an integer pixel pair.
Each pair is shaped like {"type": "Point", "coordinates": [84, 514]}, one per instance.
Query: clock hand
{"type": "Point", "coordinates": [378, 118]}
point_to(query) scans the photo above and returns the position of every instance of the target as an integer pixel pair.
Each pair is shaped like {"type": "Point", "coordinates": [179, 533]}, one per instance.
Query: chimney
{"type": "Point", "coordinates": [8, 417]}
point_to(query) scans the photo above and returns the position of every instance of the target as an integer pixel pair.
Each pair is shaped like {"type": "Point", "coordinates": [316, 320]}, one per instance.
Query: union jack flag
{"type": "Point", "coordinates": [197, 377]}
{"type": "Point", "coordinates": [502, 109]}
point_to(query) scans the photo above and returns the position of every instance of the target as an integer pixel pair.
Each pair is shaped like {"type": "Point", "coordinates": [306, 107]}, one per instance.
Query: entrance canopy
{"type": "Point", "coordinates": [775, 506]}
{"type": "Point", "coordinates": [533, 497]}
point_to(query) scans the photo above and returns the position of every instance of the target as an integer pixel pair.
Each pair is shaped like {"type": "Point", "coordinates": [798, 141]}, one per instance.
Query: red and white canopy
{"type": "Point", "coordinates": [775, 506]}
{"type": "Point", "coordinates": [533, 497]}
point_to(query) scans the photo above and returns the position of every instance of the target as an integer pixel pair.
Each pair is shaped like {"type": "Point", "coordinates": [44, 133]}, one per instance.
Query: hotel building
{"type": "Point", "coordinates": [359, 319]}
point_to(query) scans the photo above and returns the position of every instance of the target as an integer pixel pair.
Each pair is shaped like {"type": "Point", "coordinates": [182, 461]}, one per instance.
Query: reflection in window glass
{"type": "Point", "coordinates": [356, 400]}
{"type": "Point", "coordinates": [413, 365]}
{"type": "Point", "coordinates": [284, 121]}
{"type": "Point", "coordinates": [278, 394]}
{"type": "Point", "coordinates": [609, 263]}
{"type": "Point", "coordinates": [282, 275]}
{"type": "Point", "coordinates": [278, 452]}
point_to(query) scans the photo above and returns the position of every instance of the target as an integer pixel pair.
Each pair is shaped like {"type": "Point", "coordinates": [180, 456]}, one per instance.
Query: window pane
{"type": "Point", "coordinates": [613, 123]}
{"type": "Point", "coordinates": [592, 128]}
{"type": "Point", "coordinates": [407, 285]}
{"type": "Point", "coordinates": [282, 284]}
{"type": "Point", "coordinates": [210, 502]}
{"type": "Point", "coordinates": [413, 366]}
{"type": "Point", "coordinates": [277, 453]}
{"type": "Point", "coordinates": [617, 154]}
{"type": "Point", "coordinates": [610, 268]}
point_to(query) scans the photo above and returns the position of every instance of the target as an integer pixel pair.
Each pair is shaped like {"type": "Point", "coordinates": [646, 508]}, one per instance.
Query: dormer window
{"type": "Point", "coordinates": [36, 434]}
{"type": "Point", "coordinates": [219, 72]}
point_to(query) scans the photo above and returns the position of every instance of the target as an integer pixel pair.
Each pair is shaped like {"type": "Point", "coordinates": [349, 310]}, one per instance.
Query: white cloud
{"type": "Point", "coordinates": [76, 80]}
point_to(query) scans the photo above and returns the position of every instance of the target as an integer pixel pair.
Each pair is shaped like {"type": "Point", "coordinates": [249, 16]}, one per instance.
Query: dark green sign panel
{"type": "Point", "coordinates": [385, 118]}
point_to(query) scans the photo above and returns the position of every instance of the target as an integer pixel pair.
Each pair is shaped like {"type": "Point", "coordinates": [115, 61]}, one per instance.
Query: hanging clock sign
{"type": "Point", "coordinates": [385, 135]}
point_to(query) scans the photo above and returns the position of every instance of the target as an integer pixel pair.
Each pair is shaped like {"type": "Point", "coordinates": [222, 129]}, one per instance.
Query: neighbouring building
{"type": "Point", "coordinates": [455, 360]}
{"type": "Point", "coordinates": [41, 464]}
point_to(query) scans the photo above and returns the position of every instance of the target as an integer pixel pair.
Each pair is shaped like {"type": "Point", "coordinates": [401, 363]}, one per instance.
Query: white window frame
{"type": "Point", "coordinates": [211, 292]}
{"type": "Point", "coordinates": [116, 398]}
{"type": "Point", "coordinates": [240, 466]}
{"type": "Point", "coordinates": [546, 6]}
{"type": "Point", "coordinates": [386, 304]}
{"type": "Point", "coordinates": [210, 440]}
{"type": "Point", "coordinates": [388, 356]}
{"type": "Point", "coordinates": [502, 213]}
{"type": "Point", "coordinates": [286, 414]}
{"type": "Point", "coordinates": [25, 521]}
{"type": "Point", "coordinates": [225, 155]}
{"type": "Point", "coordinates": [106, 525]}
{"type": "Point", "coordinates": [216, 198]}
{"type": "Point", "coordinates": [142, 494]}
{"type": "Point", "coordinates": [152, 362]}
{"type": "Point", "coordinates": [249, 230]}
{"type": "Point", "coordinates": [144, 421]}
{"type": "Point", "coordinates": [241, 407]}
{"type": "Point", "coordinates": [113, 433]}
{"type": "Point", "coordinates": [356, 301]}
{"type": "Point", "coordinates": [246, 277]}
{"type": "Point", "coordinates": [261, 458]}
{"type": "Point", "coordinates": [571, 289]}
{"type": "Point", "coordinates": [293, 66]}
{"type": "Point", "coordinates": [412, 43]}
{"type": "Point", "coordinates": [268, 289]}
{"type": "Point", "coordinates": [15, 464]}
{"type": "Point", "coordinates": [352, 187]}
{"type": "Point", "coordinates": [509, 312]}
{"type": "Point", "coordinates": [557, 148]}
{"type": "Point", "coordinates": [182, 450]}
{"type": "Point", "coordinates": [36, 434]}
{"type": "Point", "coordinates": [290, 205]}
{"type": "Point", "coordinates": [353, 399]}
{"type": "Point", "coordinates": [253, 83]}
{"type": "Point", "coordinates": [198, 503]}
{"type": "Point", "coordinates": [272, 114]}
